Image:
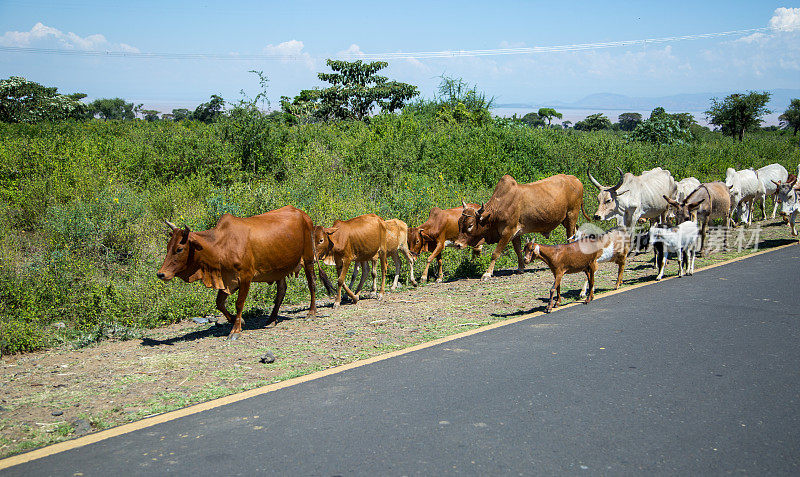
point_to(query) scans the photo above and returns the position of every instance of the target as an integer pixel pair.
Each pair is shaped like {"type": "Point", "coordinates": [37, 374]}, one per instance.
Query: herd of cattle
{"type": "Point", "coordinates": [271, 246]}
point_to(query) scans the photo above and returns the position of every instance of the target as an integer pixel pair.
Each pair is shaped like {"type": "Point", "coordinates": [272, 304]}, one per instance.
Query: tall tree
{"type": "Point", "coordinates": [181, 114]}
{"type": "Point", "coordinates": [791, 117]}
{"type": "Point", "coordinates": [149, 115]}
{"type": "Point", "coordinates": [738, 113]}
{"type": "Point", "coordinates": [549, 113]}
{"type": "Point", "coordinates": [533, 120]}
{"type": "Point", "coordinates": [629, 121]}
{"type": "Point", "coordinates": [24, 101]}
{"type": "Point", "coordinates": [112, 108]}
{"type": "Point", "coordinates": [356, 89]}
{"type": "Point", "coordinates": [210, 111]}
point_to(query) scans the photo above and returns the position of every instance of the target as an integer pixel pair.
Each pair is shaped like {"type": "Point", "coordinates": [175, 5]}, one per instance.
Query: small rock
{"type": "Point", "coordinates": [350, 333]}
{"type": "Point", "coordinates": [56, 413]}
{"type": "Point", "coordinates": [200, 320]}
{"type": "Point", "coordinates": [82, 426]}
{"type": "Point", "coordinates": [268, 358]}
{"type": "Point", "coordinates": [59, 324]}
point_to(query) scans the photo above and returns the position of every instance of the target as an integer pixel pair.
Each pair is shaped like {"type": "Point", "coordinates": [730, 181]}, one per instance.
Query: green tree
{"type": "Point", "coordinates": [210, 111]}
{"type": "Point", "coordinates": [549, 114]}
{"type": "Point", "coordinates": [24, 101]}
{"type": "Point", "coordinates": [458, 101]}
{"type": "Point", "coordinates": [791, 117]}
{"type": "Point", "coordinates": [661, 129]}
{"type": "Point", "coordinates": [112, 108]}
{"type": "Point", "coordinates": [738, 113]}
{"type": "Point", "coordinates": [629, 121]}
{"type": "Point", "coordinates": [356, 90]}
{"type": "Point", "coordinates": [593, 122]}
{"type": "Point", "coordinates": [533, 120]}
{"type": "Point", "coordinates": [181, 114]}
{"type": "Point", "coordinates": [149, 115]}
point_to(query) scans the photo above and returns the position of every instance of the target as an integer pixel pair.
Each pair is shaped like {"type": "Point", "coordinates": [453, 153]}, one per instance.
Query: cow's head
{"type": "Point", "coordinates": [607, 205]}
{"type": "Point", "coordinates": [684, 210]}
{"type": "Point", "coordinates": [471, 226]}
{"type": "Point", "coordinates": [787, 194]}
{"type": "Point", "coordinates": [323, 243]}
{"type": "Point", "coordinates": [180, 260]}
{"type": "Point", "coordinates": [734, 184]}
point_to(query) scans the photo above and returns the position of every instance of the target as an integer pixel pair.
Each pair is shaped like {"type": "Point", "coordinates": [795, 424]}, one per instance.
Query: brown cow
{"type": "Point", "coordinates": [438, 232]}
{"type": "Point", "coordinates": [516, 209]}
{"type": "Point", "coordinates": [238, 251]}
{"type": "Point", "coordinates": [358, 239]}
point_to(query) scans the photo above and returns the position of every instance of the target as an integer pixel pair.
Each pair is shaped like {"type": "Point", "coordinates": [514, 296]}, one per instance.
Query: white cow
{"type": "Point", "coordinates": [745, 189]}
{"type": "Point", "coordinates": [787, 195]}
{"type": "Point", "coordinates": [769, 175]}
{"type": "Point", "coordinates": [635, 197]}
{"type": "Point", "coordinates": [685, 187]}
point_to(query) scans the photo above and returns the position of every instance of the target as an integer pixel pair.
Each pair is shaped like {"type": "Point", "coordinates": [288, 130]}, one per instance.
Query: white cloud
{"type": "Point", "coordinates": [512, 44]}
{"type": "Point", "coordinates": [353, 50]}
{"type": "Point", "coordinates": [291, 48]}
{"type": "Point", "coordinates": [785, 19]}
{"type": "Point", "coordinates": [44, 36]}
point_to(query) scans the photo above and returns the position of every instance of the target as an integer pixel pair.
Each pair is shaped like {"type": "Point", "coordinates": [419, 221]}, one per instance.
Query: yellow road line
{"type": "Point", "coordinates": [187, 411]}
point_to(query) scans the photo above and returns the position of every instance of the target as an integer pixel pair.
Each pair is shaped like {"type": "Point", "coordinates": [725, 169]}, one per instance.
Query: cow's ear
{"type": "Point", "coordinates": [425, 235]}
{"type": "Point", "coordinates": [696, 204]}
{"type": "Point", "coordinates": [483, 218]}
{"type": "Point", "coordinates": [330, 230]}
{"type": "Point", "coordinates": [196, 242]}
{"type": "Point", "coordinates": [623, 192]}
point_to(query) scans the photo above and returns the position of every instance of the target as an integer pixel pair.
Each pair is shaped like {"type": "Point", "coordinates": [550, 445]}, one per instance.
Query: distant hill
{"type": "Point", "coordinates": [680, 102]}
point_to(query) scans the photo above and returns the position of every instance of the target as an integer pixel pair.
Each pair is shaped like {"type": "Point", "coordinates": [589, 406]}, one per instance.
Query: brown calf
{"type": "Point", "coordinates": [574, 257]}
{"type": "Point", "coordinates": [438, 232]}
{"type": "Point", "coordinates": [358, 239]}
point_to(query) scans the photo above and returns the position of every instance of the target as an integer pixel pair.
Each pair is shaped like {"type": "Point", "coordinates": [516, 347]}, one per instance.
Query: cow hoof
{"type": "Point", "coordinates": [234, 336]}
{"type": "Point", "coordinates": [520, 271]}
{"type": "Point", "coordinates": [355, 300]}
{"type": "Point", "coordinates": [414, 284]}
{"type": "Point", "coordinates": [438, 280]}
{"type": "Point", "coordinates": [379, 296]}
{"type": "Point", "coordinates": [486, 276]}
{"type": "Point", "coordinates": [336, 305]}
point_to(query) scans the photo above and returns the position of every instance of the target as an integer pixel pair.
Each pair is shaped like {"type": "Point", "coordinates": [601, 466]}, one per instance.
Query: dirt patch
{"type": "Point", "coordinates": [50, 396]}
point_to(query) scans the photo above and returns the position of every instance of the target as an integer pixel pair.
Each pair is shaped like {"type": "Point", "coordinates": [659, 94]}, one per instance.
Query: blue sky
{"type": "Point", "coordinates": [314, 31]}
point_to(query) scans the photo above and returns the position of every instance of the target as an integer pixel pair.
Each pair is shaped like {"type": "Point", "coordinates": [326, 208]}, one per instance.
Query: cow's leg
{"type": "Point", "coordinates": [681, 256]}
{"type": "Point", "coordinates": [590, 277]}
{"type": "Point", "coordinates": [703, 232]}
{"type": "Point", "coordinates": [244, 288]}
{"type": "Point", "coordinates": [382, 255]}
{"type": "Point", "coordinates": [397, 266]}
{"type": "Point", "coordinates": [517, 243]}
{"type": "Point", "coordinates": [374, 272]}
{"type": "Point", "coordinates": [358, 266]}
{"type": "Point", "coordinates": [365, 269]}
{"type": "Point", "coordinates": [584, 288]}
{"type": "Point", "coordinates": [222, 297]}
{"type": "Point", "coordinates": [555, 292]}
{"type": "Point", "coordinates": [280, 292]}
{"type": "Point", "coordinates": [437, 252]}
{"type": "Point", "coordinates": [792, 219]}
{"type": "Point", "coordinates": [323, 276]}
{"type": "Point", "coordinates": [775, 204]}
{"type": "Point", "coordinates": [410, 260]}
{"type": "Point", "coordinates": [312, 288]}
{"type": "Point", "coordinates": [764, 207]}
{"type": "Point", "coordinates": [342, 284]}
{"type": "Point", "coordinates": [501, 246]}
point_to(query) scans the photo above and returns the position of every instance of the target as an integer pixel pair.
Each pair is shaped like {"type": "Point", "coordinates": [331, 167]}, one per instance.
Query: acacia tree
{"type": "Point", "coordinates": [210, 111]}
{"type": "Point", "coordinates": [791, 117]}
{"type": "Point", "coordinates": [738, 113]}
{"type": "Point", "coordinates": [549, 113]}
{"type": "Point", "coordinates": [24, 101]}
{"type": "Point", "coordinates": [593, 122]}
{"type": "Point", "coordinates": [356, 89]}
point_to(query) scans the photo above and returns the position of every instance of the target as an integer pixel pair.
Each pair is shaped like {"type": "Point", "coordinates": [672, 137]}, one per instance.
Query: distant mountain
{"type": "Point", "coordinates": [680, 102]}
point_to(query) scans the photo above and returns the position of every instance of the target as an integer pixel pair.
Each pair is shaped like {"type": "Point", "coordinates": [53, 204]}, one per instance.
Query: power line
{"type": "Point", "coordinates": [379, 56]}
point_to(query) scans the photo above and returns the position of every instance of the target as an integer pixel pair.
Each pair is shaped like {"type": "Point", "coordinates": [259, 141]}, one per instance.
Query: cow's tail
{"type": "Point", "coordinates": [583, 211]}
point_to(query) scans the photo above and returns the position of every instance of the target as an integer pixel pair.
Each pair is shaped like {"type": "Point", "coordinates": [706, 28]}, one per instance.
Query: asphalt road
{"type": "Point", "coordinates": [694, 376]}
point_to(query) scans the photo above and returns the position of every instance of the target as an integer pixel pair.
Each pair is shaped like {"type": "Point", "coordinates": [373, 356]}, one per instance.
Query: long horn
{"type": "Point", "coordinates": [170, 225]}
{"type": "Point", "coordinates": [463, 204]}
{"type": "Point", "coordinates": [794, 181]}
{"type": "Point", "coordinates": [185, 234]}
{"type": "Point", "coordinates": [619, 182]}
{"type": "Point", "coordinates": [594, 181]}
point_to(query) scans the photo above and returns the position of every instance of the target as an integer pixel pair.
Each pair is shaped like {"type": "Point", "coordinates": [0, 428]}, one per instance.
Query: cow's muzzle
{"type": "Point", "coordinates": [163, 276]}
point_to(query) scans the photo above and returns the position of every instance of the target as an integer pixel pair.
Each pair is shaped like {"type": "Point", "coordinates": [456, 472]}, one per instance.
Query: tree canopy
{"type": "Point", "coordinates": [24, 101]}
{"type": "Point", "coordinates": [791, 117]}
{"type": "Point", "coordinates": [738, 112]}
{"type": "Point", "coordinates": [112, 108]}
{"type": "Point", "coordinates": [629, 121]}
{"type": "Point", "coordinates": [356, 90]}
{"type": "Point", "coordinates": [549, 114]}
{"type": "Point", "coordinates": [593, 122]}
